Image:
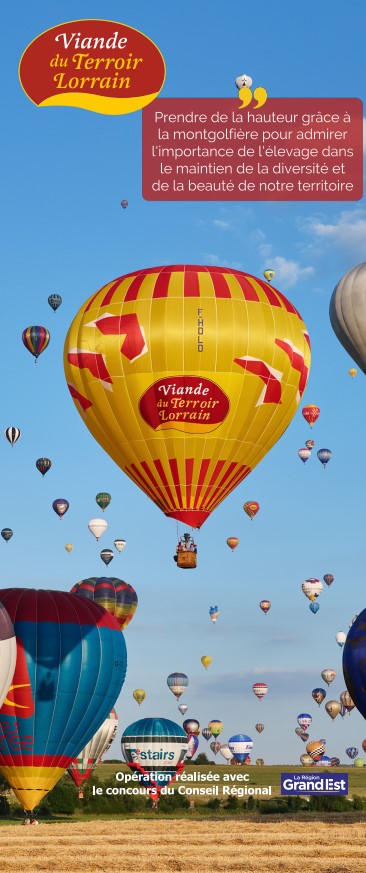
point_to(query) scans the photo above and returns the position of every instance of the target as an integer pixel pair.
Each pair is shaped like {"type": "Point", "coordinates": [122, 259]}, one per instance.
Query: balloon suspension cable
{"type": "Point", "coordinates": [155, 790]}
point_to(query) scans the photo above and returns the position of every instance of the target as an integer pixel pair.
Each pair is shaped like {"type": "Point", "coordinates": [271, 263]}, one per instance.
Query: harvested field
{"type": "Point", "coordinates": [184, 845]}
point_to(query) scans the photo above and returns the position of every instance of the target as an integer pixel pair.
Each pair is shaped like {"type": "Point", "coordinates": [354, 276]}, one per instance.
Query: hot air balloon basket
{"type": "Point", "coordinates": [187, 560]}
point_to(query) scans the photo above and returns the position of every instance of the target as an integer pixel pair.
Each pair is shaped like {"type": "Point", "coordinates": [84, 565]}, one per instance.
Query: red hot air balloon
{"type": "Point", "coordinates": [36, 339]}
{"type": "Point", "coordinates": [265, 605]}
{"type": "Point", "coordinates": [311, 413]}
{"type": "Point", "coordinates": [260, 689]}
{"type": "Point", "coordinates": [232, 542]}
{"type": "Point", "coordinates": [251, 507]}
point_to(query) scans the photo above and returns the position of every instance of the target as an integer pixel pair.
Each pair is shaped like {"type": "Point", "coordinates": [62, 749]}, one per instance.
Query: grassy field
{"type": "Point", "coordinates": [259, 777]}
{"type": "Point", "coordinates": [187, 846]}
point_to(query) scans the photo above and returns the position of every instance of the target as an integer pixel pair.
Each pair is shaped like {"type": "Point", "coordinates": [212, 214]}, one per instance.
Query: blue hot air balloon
{"type": "Point", "coordinates": [352, 752]}
{"type": "Point", "coordinates": [206, 733]}
{"type": "Point", "coordinates": [70, 668]}
{"type": "Point", "coordinates": [324, 761]}
{"type": "Point", "coordinates": [177, 682]}
{"type": "Point", "coordinates": [319, 694]}
{"type": "Point", "coordinates": [304, 720]}
{"type": "Point", "coordinates": [354, 662]}
{"type": "Point", "coordinates": [240, 745]}
{"type": "Point", "coordinates": [155, 748]}
{"type": "Point", "coordinates": [193, 743]}
{"type": "Point", "coordinates": [314, 607]}
{"type": "Point", "coordinates": [55, 301]}
{"type": "Point", "coordinates": [324, 456]}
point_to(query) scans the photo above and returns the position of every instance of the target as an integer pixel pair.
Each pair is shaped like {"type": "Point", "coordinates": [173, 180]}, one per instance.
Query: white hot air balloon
{"type": "Point", "coordinates": [97, 527]}
{"type": "Point", "coordinates": [304, 454]}
{"type": "Point", "coordinates": [347, 312]}
{"type": "Point", "coordinates": [243, 81]}
{"type": "Point", "coordinates": [82, 767]}
{"type": "Point", "coordinates": [12, 434]}
{"type": "Point", "coordinates": [226, 752]}
{"type": "Point", "coordinates": [183, 708]}
{"type": "Point", "coordinates": [340, 638]}
{"type": "Point", "coordinates": [312, 588]}
{"type": "Point", "coordinates": [120, 545]}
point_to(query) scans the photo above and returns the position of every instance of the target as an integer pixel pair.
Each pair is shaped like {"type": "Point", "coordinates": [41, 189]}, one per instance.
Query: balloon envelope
{"type": "Point", "coordinates": [71, 665]}
{"type": "Point", "coordinates": [8, 653]}
{"type": "Point", "coordinates": [36, 339]}
{"type": "Point", "coordinates": [319, 695]}
{"type": "Point", "coordinates": [120, 545]}
{"type": "Point", "coordinates": [232, 542]}
{"type": "Point", "coordinates": [182, 708]}
{"type": "Point", "coordinates": [311, 413]}
{"type": "Point", "coordinates": [251, 507]}
{"type": "Point", "coordinates": [115, 595]}
{"type": "Point", "coordinates": [177, 682]}
{"type": "Point", "coordinates": [107, 556]}
{"type": "Point", "coordinates": [12, 434]}
{"type": "Point", "coordinates": [206, 733]}
{"type": "Point", "coordinates": [192, 727]}
{"type": "Point", "coordinates": [139, 695]}
{"type": "Point", "coordinates": [226, 752]}
{"type": "Point", "coordinates": [324, 456]}
{"type": "Point", "coordinates": [55, 301]}
{"type": "Point", "coordinates": [214, 613]}
{"type": "Point", "coordinates": [43, 465]}
{"type": "Point", "coordinates": [206, 660]}
{"type": "Point", "coordinates": [260, 689]}
{"type": "Point", "coordinates": [60, 506]}
{"type": "Point", "coordinates": [155, 748]}
{"type": "Point", "coordinates": [163, 402]}
{"type": "Point", "coordinates": [103, 500]}
{"type": "Point", "coordinates": [97, 527]}
{"type": "Point", "coordinates": [6, 534]}
{"type": "Point", "coordinates": [333, 708]}
{"type": "Point", "coordinates": [354, 662]}
{"type": "Point", "coordinates": [82, 767]}
{"type": "Point", "coordinates": [341, 638]}
{"type": "Point", "coordinates": [347, 313]}
{"type": "Point", "coordinates": [240, 745]}
{"type": "Point", "coordinates": [304, 720]}
{"type": "Point", "coordinates": [215, 726]}
{"type": "Point", "coordinates": [265, 606]}
{"type": "Point", "coordinates": [304, 454]}
{"type": "Point", "coordinates": [328, 675]}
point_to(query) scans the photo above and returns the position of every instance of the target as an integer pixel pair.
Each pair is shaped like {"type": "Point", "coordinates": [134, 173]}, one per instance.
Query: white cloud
{"type": "Point", "coordinates": [215, 261]}
{"type": "Point", "coordinates": [289, 273]}
{"type": "Point", "coordinates": [346, 233]}
{"type": "Point", "coordinates": [223, 225]}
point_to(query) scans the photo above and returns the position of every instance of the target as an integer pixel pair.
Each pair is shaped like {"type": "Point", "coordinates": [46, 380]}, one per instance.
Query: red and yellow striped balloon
{"type": "Point", "coordinates": [187, 376]}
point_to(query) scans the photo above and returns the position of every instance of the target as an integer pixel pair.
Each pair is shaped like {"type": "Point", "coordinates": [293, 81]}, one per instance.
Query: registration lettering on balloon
{"type": "Point", "coordinates": [187, 403]}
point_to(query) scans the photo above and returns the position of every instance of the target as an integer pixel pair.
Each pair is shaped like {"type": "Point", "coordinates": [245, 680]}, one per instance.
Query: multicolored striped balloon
{"type": "Point", "coordinates": [115, 595]}
{"type": "Point", "coordinates": [36, 339]}
{"type": "Point", "coordinates": [82, 767]}
{"type": "Point", "coordinates": [70, 668]}
{"type": "Point", "coordinates": [158, 363]}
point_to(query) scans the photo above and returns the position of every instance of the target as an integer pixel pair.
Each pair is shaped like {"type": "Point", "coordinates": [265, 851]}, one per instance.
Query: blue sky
{"type": "Point", "coordinates": [65, 172]}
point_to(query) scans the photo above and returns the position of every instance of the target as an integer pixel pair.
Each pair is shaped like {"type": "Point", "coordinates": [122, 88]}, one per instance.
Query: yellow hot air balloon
{"type": "Point", "coordinates": [352, 372]}
{"type": "Point", "coordinates": [159, 362]}
{"type": "Point", "coordinates": [206, 661]}
{"type": "Point", "coordinates": [269, 275]}
{"type": "Point", "coordinates": [139, 695]}
{"type": "Point", "coordinates": [69, 547]}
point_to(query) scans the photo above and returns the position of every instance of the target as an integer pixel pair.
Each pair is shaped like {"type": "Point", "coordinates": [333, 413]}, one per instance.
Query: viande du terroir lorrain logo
{"type": "Point", "coordinates": [313, 783]}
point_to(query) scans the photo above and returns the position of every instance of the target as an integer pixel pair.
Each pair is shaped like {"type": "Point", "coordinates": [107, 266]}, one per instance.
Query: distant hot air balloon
{"type": "Point", "coordinates": [352, 372]}
{"type": "Point", "coordinates": [347, 313]}
{"type": "Point", "coordinates": [260, 689]}
{"type": "Point", "coordinates": [226, 752]}
{"type": "Point", "coordinates": [193, 744]}
{"type": "Point", "coordinates": [120, 545]}
{"type": "Point", "coordinates": [328, 578]}
{"type": "Point", "coordinates": [177, 682]}
{"type": "Point", "coordinates": [304, 737]}
{"type": "Point", "coordinates": [346, 701]}
{"type": "Point", "coordinates": [352, 620]}
{"type": "Point", "coordinates": [340, 638]}
{"type": "Point", "coordinates": [215, 726]}
{"type": "Point", "coordinates": [352, 752]}
{"type": "Point", "coordinates": [299, 731]}
{"type": "Point", "coordinates": [69, 547]}
{"type": "Point", "coordinates": [232, 542]}
{"type": "Point", "coordinates": [214, 614]}
{"type": "Point", "coordinates": [81, 768]}
{"type": "Point", "coordinates": [304, 454]}
{"type": "Point", "coordinates": [240, 745]}
{"type": "Point", "coordinates": [124, 204]}
{"type": "Point", "coordinates": [43, 465]}
{"type": "Point", "coordinates": [358, 762]}
{"type": "Point", "coordinates": [36, 339]}
{"type": "Point", "coordinates": [324, 761]}
{"type": "Point", "coordinates": [324, 456]}
{"type": "Point", "coordinates": [107, 556]}
{"type": "Point", "coordinates": [265, 606]}
{"type": "Point", "coordinates": [139, 695]}
{"type": "Point", "coordinates": [155, 749]}
{"type": "Point", "coordinates": [251, 507]}
{"type": "Point", "coordinates": [134, 368]}
{"type": "Point", "coordinates": [60, 506]}
{"type": "Point", "coordinates": [97, 527]}
{"type": "Point", "coordinates": [312, 588]}
{"type": "Point", "coordinates": [342, 711]}
{"type": "Point", "coordinates": [310, 444]}
{"type": "Point", "coordinates": [259, 762]}
{"type": "Point", "coordinates": [314, 607]}
{"type": "Point", "coordinates": [103, 500]}
{"type": "Point", "coordinates": [259, 728]}
{"type": "Point", "coordinates": [333, 708]}
{"type": "Point", "coordinates": [115, 595]}
{"type": "Point", "coordinates": [206, 660]}
{"type": "Point", "coordinates": [316, 749]}
{"type": "Point", "coordinates": [328, 675]}
{"type": "Point", "coordinates": [311, 413]}
{"type": "Point", "coordinates": [6, 534]}
{"type": "Point", "coordinates": [335, 762]}
{"type": "Point", "coordinates": [319, 694]}
{"type": "Point", "coordinates": [364, 745]}
{"type": "Point", "coordinates": [71, 665]}
{"type": "Point", "coordinates": [54, 301]}
{"type": "Point", "coordinates": [12, 434]}
{"type": "Point", "coordinates": [206, 733]}
{"type": "Point", "coordinates": [269, 275]}
{"type": "Point", "coordinates": [215, 747]}
{"type": "Point", "coordinates": [306, 760]}
{"type": "Point", "coordinates": [182, 708]}
{"type": "Point", "coordinates": [192, 727]}
{"type": "Point", "coordinates": [304, 720]}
